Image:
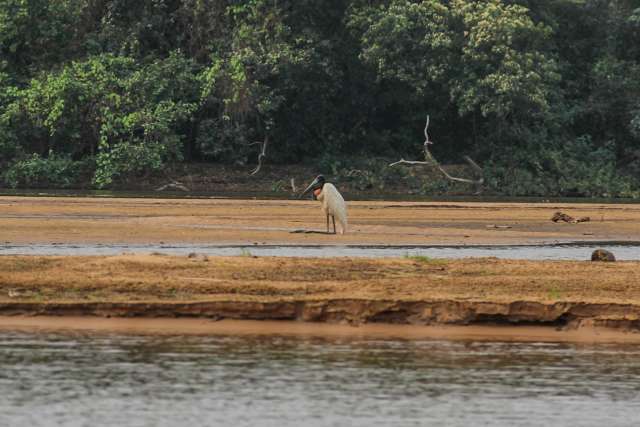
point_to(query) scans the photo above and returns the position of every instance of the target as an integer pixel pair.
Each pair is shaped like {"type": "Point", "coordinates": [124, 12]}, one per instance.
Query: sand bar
{"type": "Point", "coordinates": [25, 220]}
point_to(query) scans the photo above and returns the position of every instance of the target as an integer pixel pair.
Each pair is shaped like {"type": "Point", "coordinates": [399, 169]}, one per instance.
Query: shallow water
{"type": "Point", "coordinates": [566, 251]}
{"type": "Point", "coordinates": [109, 379]}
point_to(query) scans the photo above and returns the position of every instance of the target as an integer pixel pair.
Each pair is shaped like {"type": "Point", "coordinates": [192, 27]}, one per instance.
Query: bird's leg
{"type": "Point", "coordinates": [334, 224]}
{"type": "Point", "coordinates": [327, 223]}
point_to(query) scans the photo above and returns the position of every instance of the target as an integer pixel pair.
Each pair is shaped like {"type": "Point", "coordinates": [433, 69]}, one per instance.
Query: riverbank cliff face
{"type": "Point", "coordinates": [356, 312]}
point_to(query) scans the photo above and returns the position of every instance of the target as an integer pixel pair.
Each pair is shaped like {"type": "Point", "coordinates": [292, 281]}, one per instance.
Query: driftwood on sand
{"type": "Point", "coordinates": [559, 216]}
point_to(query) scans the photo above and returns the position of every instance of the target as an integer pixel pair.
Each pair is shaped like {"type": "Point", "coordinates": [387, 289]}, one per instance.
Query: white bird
{"type": "Point", "coordinates": [333, 204]}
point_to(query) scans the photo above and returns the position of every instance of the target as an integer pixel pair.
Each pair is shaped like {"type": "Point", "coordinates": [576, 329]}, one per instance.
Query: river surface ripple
{"type": "Point", "coordinates": [79, 379]}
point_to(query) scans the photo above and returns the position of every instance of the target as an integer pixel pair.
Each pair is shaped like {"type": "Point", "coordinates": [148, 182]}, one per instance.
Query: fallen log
{"type": "Point", "coordinates": [559, 216]}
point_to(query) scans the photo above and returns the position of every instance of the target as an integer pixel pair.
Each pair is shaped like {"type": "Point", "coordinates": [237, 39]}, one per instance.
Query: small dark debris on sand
{"type": "Point", "coordinates": [499, 227]}
{"type": "Point", "coordinates": [302, 231]}
{"type": "Point", "coordinates": [559, 216]}
{"type": "Point", "coordinates": [602, 255]}
{"type": "Point", "coordinates": [198, 257]}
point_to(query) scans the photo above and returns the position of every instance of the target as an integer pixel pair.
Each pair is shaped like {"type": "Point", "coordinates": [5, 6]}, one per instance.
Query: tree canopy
{"type": "Point", "coordinates": [545, 95]}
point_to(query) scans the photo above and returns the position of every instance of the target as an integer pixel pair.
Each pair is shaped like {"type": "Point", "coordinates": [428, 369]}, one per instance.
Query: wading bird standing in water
{"type": "Point", "coordinates": [332, 202]}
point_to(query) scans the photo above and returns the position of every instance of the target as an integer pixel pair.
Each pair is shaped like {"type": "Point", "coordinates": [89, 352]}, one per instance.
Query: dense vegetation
{"type": "Point", "coordinates": [544, 94]}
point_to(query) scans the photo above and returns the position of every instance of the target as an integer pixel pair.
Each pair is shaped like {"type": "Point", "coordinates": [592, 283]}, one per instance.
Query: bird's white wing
{"type": "Point", "coordinates": [335, 205]}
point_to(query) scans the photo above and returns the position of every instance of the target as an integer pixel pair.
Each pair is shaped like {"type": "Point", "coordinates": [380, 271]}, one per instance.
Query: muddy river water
{"type": "Point", "coordinates": [85, 378]}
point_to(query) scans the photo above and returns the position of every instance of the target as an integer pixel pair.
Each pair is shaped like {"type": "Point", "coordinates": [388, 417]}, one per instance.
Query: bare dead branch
{"type": "Point", "coordinates": [410, 163]}
{"type": "Point", "coordinates": [426, 134]}
{"type": "Point", "coordinates": [431, 161]}
{"type": "Point", "coordinates": [174, 185]}
{"type": "Point", "coordinates": [262, 155]}
{"type": "Point", "coordinates": [474, 165]}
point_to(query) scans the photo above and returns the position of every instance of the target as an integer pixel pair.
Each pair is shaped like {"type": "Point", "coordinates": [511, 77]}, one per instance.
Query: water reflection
{"type": "Point", "coordinates": [87, 379]}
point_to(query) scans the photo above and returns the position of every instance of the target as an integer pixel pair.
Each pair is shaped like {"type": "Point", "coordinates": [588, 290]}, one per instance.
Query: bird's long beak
{"type": "Point", "coordinates": [311, 186]}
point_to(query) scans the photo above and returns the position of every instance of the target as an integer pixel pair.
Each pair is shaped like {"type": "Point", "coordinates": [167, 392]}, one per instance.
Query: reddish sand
{"type": "Point", "coordinates": [26, 220]}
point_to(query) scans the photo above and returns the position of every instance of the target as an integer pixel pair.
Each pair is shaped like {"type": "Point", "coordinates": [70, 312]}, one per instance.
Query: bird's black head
{"type": "Point", "coordinates": [317, 184]}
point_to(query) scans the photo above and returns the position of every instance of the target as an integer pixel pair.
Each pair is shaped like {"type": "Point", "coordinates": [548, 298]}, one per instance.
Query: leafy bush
{"type": "Point", "coordinates": [223, 141]}
{"type": "Point", "coordinates": [125, 161]}
{"type": "Point", "coordinates": [8, 145]}
{"type": "Point", "coordinates": [583, 168]}
{"type": "Point", "coordinates": [575, 168]}
{"type": "Point", "coordinates": [110, 107]}
{"type": "Point", "coordinates": [39, 172]}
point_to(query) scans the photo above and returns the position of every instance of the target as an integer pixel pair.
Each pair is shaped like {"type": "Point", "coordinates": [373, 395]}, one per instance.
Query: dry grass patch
{"type": "Point", "coordinates": [152, 278]}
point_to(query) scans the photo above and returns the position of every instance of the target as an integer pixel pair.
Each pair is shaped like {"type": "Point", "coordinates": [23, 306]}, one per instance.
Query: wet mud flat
{"type": "Point", "coordinates": [565, 295]}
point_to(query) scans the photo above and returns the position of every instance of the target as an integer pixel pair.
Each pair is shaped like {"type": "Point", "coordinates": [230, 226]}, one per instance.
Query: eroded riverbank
{"type": "Point", "coordinates": [417, 291]}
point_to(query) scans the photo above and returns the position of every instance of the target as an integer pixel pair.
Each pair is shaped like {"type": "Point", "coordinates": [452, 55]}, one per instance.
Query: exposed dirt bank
{"type": "Point", "coordinates": [355, 291]}
{"type": "Point", "coordinates": [25, 220]}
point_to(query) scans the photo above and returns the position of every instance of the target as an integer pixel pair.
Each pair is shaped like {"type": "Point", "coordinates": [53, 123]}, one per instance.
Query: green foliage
{"type": "Point", "coordinates": [583, 168]}
{"type": "Point", "coordinates": [487, 56]}
{"type": "Point", "coordinates": [575, 168]}
{"type": "Point", "coordinates": [504, 70]}
{"type": "Point", "coordinates": [543, 94]}
{"type": "Point", "coordinates": [37, 33]}
{"type": "Point", "coordinates": [8, 145]}
{"type": "Point", "coordinates": [223, 140]}
{"type": "Point", "coordinates": [422, 259]}
{"type": "Point", "coordinates": [125, 160]}
{"type": "Point", "coordinates": [112, 108]}
{"type": "Point", "coordinates": [407, 41]}
{"type": "Point", "coordinates": [39, 172]}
